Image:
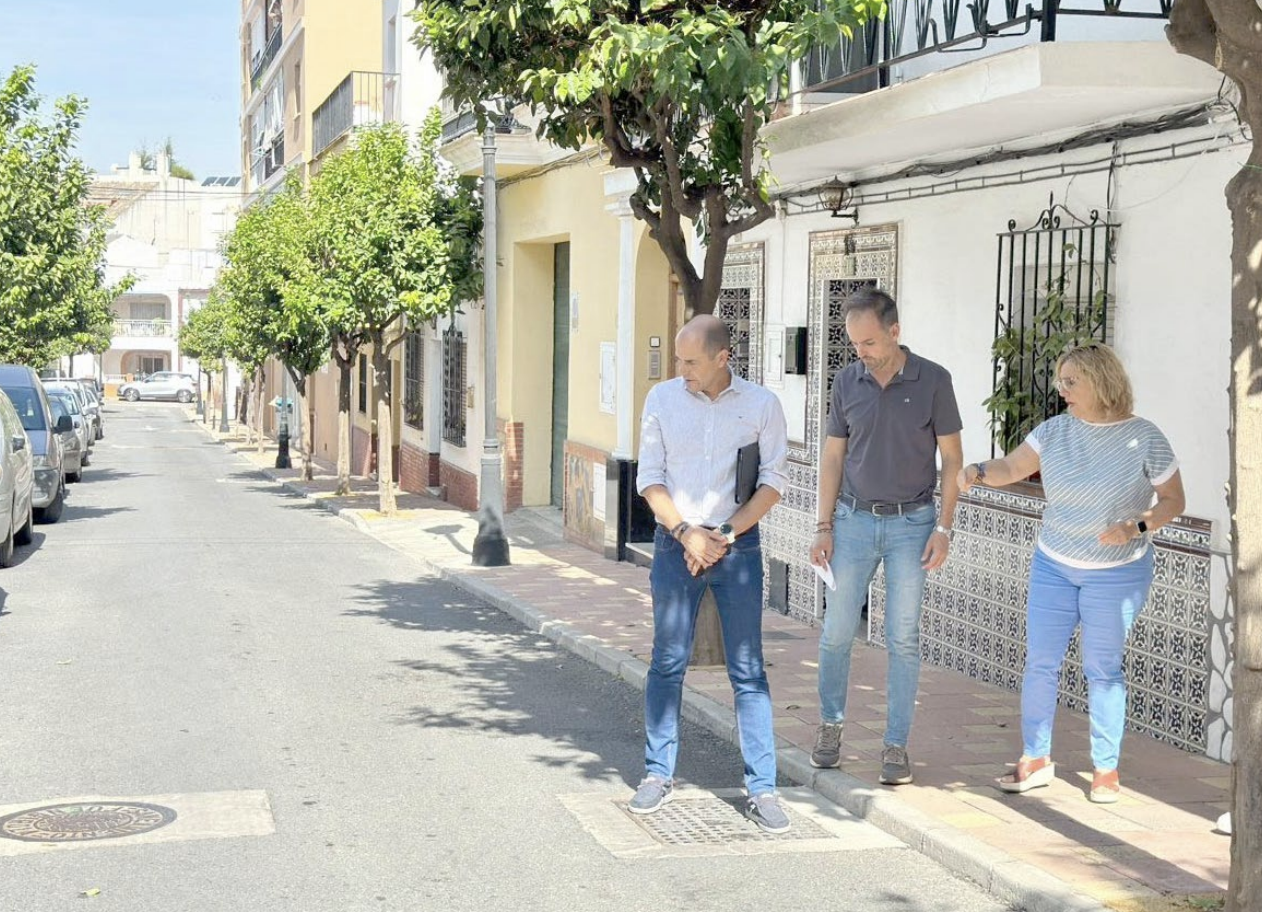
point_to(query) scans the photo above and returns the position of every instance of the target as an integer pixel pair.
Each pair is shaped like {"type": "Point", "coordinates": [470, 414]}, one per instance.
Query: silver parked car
{"type": "Point", "coordinates": [88, 409]}
{"type": "Point", "coordinates": [161, 385]}
{"type": "Point", "coordinates": [17, 483]}
{"type": "Point", "coordinates": [74, 440]}
{"type": "Point", "coordinates": [30, 401]}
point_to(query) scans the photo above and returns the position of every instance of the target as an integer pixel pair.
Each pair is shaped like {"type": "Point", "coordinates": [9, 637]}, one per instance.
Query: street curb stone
{"type": "Point", "coordinates": [994, 870]}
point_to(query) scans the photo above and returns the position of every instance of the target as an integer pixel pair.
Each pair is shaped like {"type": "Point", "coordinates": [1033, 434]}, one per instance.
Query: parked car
{"type": "Point", "coordinates": [29, 399]}
{"type": "Point", "coordinates": [160, 385]}
{"type": "Point", "coordinates": [17, 482]}
{"type": "Point", "coordinates": [87, 411]}
{"type": "Point", "coordinates": [74, 442]}
{"type": "Point", "coordinates": [93, 389]}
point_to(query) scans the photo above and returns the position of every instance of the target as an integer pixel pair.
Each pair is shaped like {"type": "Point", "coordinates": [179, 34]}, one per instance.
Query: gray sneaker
{"type": "Point", "coordinates": [765, 811]}
{"type": "Point", "coordinates": [895, 766]}
{"type": "Point", "coordinates": [653, 792]}
{"type": "Point", "coordinates": [827, 752]}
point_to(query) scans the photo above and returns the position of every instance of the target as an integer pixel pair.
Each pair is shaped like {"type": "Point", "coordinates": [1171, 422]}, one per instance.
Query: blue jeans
{"type": "Point", "coordinates": [861, 541]}
{"type": "Point", "coordinates": [737, 583]}
{"type": "Point", "coordinates": [1105, 601]}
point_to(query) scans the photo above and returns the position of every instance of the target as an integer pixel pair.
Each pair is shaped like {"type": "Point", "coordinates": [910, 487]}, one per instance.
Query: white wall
{"type": "Point", "coordinates": [1173, 284]}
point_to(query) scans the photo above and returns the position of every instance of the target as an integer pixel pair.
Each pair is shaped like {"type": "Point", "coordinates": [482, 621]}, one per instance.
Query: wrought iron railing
{"type": "Point", "coordinates": [455, 353]}
{"type": "Point", "coordinates": [916, 28]}
{"type": "Point", "coordinates": [268, 160]}
{"type": "Point", "coordinates": [1054, 290]}
{"type": "Point", "coordinates": [360, 99]}
{"type": "Point", "coordinates": [142, 328]}
{"type": "Point", "coordinates": [262, 58]}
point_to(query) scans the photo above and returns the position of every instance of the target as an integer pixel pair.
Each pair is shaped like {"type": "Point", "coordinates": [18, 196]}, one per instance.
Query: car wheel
{"type": "Point", "coordinates": [84, 460]}
{"type": "Point", "coordinates": [100, 432]}
{"type": "Point", "coordinates": [52, 512]}
{"type": "Point", "coordinates": [184, 396]}
{"type": "Point", "coordinates": [75, 477]}
{"type": "Point", "coordinates": [26, 534]}
{"type": "Point", "coordinates": [132, 396]}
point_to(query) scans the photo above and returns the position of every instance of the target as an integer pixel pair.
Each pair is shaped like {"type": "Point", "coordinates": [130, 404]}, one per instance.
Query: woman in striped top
{"type": "Point", "coordinates": [1110, 480]}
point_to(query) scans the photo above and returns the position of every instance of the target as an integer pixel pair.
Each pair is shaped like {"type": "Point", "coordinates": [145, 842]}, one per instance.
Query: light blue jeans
{"type": "Point", "coordinates": [1105, 601]}
{"type": "Point", "coordinates": [737, 584]}
{"type": "Point", "coordinates": [860, 542]}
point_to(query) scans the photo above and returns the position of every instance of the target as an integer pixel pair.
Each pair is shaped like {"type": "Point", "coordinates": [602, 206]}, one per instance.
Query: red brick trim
{"type": "Point", "coordinates": [461, 486]}
{"type": "Point", "coordinates": [513, 436]}
{"type": "Point", "coordinates": [418, 469]}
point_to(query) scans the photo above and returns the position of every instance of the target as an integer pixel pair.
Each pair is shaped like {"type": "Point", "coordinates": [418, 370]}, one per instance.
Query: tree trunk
{"type": "Point", "coordinates": [308, 447]}
{"type": "Point", "coordinates": [385, 427]}
{"type": "Point", "coordinates": [258, 409]}
{"type": "Point", "coordinates": [1227, 34]}
{"type": "Point", "coordinates": [242, 404]}
{"type": "Point", "coordinates": [343, 427]}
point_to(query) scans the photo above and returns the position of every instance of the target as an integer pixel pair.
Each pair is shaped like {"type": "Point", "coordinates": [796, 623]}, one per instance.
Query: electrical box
{"type": "Point", "coordinates": [795, 349]}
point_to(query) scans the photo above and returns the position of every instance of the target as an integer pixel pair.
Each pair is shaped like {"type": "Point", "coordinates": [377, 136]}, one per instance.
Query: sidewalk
{"type": "Point", "coordinates": [1047, 850]}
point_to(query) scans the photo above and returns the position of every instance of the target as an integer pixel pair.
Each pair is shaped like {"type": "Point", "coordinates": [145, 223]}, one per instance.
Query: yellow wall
{"type": "Point", "coordinates": [535, 214]}
{"type": "Point", "coordinates": [568, 204]}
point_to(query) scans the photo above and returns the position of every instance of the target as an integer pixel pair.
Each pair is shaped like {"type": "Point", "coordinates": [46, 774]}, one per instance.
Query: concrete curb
{"type": "Point", "coordinates": [1001, 875]}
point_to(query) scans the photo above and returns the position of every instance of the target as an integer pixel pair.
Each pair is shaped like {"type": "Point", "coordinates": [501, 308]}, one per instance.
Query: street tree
{"type": "Point", "coordinates": [202, 338]}
{"type": "Point", "coordinates": [395, 243]}
{"type": "Point", "coordinates": [676, 90]}
{"type": "Point", "coordinates": [1227, 34]}
{"type": "Point", "coordinates": [53, 297]}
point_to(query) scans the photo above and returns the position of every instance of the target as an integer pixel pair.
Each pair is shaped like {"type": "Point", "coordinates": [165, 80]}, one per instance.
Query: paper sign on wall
{"type": "Point", "coordinates": [608, 377]}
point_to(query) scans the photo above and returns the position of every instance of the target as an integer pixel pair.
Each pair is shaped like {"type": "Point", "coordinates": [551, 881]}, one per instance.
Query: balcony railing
{"type": "Point", "coordinates": [359, 100]}
{"type": "Point", "coordinates": [142, 328]}
{"type": "Point", "coordinates": [268, 160]}
{"type": "Point", "coordinates": [264, 57]}
{"type": "Point", "coordinates": [916, 28]}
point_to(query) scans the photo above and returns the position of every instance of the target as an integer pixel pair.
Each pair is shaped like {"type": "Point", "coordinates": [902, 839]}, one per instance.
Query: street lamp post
{"type": "Point", "coordinates": [490, 547]}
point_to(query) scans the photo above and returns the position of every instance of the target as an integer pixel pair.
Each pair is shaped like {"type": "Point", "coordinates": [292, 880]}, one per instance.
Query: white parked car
{"type": "Point", "coordinates": [160, 385]}
{"type": "Point", "coordinates": [17, 482]}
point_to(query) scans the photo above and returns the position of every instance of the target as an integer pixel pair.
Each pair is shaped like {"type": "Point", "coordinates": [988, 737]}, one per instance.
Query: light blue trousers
{"type": "Point", "coordinates": [1105, 602]}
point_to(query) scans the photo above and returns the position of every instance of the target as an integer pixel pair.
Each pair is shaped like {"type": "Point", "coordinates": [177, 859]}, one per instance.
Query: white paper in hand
{"type": "Point", "coordinates": [826, 574]}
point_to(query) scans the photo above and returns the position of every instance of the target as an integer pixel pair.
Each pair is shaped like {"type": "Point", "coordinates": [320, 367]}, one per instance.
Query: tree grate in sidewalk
{"type": "Point", "coordinates": [711, 820]}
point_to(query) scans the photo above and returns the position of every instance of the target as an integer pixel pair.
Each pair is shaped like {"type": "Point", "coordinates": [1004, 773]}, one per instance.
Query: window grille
{"type": "Point", "coordinates": [1054, 290]}
{"type": "Point", "coordinates": [455, 353]}
{"type": "Point", "coordinates": [414, 379]}
{"type": "Point", "coordinates": [363, 385]}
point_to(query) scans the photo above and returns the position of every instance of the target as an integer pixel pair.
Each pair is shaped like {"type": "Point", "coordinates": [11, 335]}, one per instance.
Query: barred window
{"type": "Point", "coordinates": [1054, 292]}
{"type": "Point", "coordinates": [414, 379]}
{"type": "Point", "coordinates": [454, 383]}
{"type": "Point", "coordinates": [363, 385]}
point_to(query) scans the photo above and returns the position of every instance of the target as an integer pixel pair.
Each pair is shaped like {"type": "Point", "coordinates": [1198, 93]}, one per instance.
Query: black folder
{"type": "Point", "coordinates": [748, 462]}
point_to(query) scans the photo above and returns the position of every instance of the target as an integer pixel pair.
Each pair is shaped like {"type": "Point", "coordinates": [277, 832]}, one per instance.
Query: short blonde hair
{"type": "Point", "coordinates": [1100, 366]}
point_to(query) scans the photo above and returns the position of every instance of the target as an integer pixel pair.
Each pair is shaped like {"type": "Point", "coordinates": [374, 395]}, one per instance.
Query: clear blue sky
{"type": "Point", "coordinates": [149, 69]}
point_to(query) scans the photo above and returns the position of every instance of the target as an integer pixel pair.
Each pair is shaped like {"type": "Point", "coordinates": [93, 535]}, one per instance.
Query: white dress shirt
{"type": "Point", "coordinates": [688, 444]}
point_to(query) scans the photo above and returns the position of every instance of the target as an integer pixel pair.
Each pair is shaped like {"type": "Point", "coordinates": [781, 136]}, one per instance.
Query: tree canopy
{"type": "Point", "coordinates": [677, 91]}
{"type": "Point", "coordinates": [53, 296]}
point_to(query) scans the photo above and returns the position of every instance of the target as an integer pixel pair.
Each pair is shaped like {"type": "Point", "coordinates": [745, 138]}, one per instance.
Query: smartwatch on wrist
{"type": "Point", "coordinates": [1141, 526]}
{"type": "Point", "coordinates": [728, 533]}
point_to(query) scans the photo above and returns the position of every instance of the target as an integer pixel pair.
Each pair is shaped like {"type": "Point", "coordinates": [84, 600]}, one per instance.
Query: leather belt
{"type": "Point", "coordinates": [877, 508]}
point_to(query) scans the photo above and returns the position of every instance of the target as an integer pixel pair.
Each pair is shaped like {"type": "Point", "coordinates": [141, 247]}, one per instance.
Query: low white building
{"type": "Point", "coordinates": [165, 231]}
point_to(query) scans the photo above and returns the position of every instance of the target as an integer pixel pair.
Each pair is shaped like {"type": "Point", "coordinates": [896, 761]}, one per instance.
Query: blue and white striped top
{"type": "Point", "coordinates": [1093, 476]}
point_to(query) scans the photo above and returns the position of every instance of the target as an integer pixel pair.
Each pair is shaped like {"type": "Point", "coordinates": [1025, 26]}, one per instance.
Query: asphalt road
{"type": "Point", "coordinates": [189, 631]}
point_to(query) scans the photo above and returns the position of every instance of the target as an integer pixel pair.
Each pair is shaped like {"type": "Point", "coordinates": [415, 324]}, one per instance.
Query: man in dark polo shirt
{"type": "Point", "coordinates": [890, 414]}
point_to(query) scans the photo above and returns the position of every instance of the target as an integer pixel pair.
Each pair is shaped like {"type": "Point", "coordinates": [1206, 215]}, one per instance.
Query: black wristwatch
{"type": "Point", "coordinates": [1141, 526]}
{"type": "Point", "coordinates": [728, 532]}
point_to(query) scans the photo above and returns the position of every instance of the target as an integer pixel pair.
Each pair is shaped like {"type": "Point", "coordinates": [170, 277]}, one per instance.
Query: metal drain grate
{"type": "Point", "coordinates": [84, 822]}
{"type": "Point", "coordinates": [710, 820]}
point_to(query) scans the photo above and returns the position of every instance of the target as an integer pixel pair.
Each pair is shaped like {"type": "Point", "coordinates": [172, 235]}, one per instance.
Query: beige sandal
{"type": "Point", "coordinates": [1105, 787]}
{"type": "Point", "coordinates": [1030, 773]}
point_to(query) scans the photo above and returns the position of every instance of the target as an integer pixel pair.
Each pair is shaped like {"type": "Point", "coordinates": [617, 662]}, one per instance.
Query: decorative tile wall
{"type": "Point", "coordinates": [974, 616]}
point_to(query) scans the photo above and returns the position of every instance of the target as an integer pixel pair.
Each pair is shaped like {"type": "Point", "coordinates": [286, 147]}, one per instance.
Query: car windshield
{"type": "Point", "coordinates": [26, 401]}
{"type": "Point", "coordinates": [67, 400]}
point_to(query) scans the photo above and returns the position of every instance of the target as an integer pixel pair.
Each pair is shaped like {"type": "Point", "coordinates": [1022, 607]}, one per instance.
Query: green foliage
{"type": "Point", "coordinates": [203, 335]}
{"type": "Point", "coordinates": [53, 296]}
{"type": "Point", "coordinates": [1025, 389]}
{"type": "Point", "coordinates": [676, 90]}
{"type": "Point", "coordinates": [394, 234]}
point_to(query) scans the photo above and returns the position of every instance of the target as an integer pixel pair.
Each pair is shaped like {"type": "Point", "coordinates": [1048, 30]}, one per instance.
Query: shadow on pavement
{"type": "Point", "coordinates": [514, 682]}
{"type": "Point", "coordinates": [73, 513]}
{"type": "Point", "coordinates": [23, 553]}
{"type": "Point", "coordinates": [92, 474]}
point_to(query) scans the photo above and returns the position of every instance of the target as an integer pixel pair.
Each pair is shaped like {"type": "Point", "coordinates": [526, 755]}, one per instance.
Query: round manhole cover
{"type": "Point", "coordinates": [84, 822]}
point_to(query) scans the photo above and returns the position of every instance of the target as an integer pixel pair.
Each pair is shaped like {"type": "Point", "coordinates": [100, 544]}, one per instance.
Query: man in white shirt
{"type": "Point", "coordinates": [692, 430]}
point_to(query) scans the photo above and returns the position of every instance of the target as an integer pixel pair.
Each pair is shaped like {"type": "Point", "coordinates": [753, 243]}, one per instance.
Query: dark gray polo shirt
{"type": "Point", "coordinates": [892, 433]}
